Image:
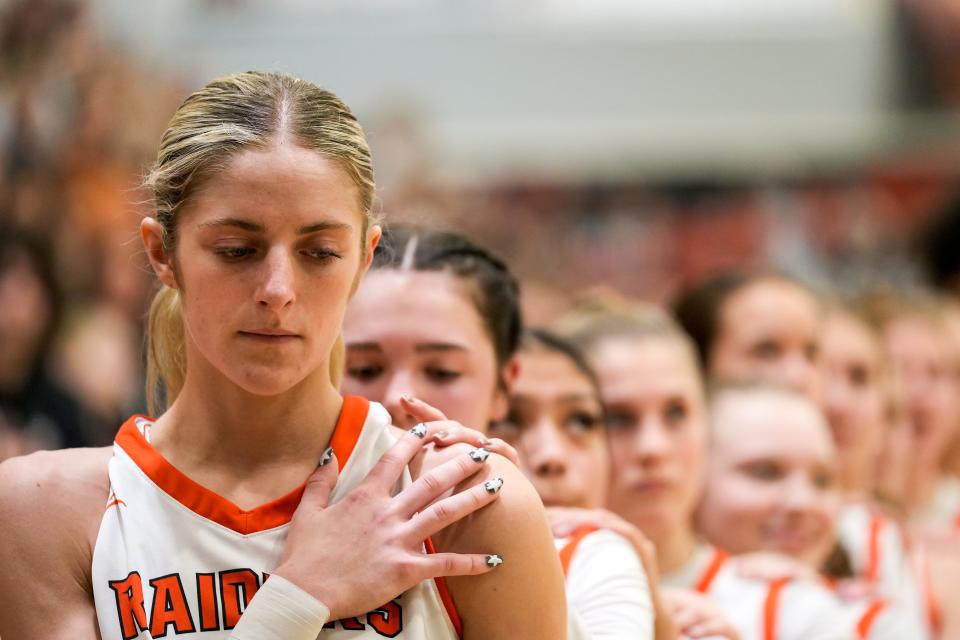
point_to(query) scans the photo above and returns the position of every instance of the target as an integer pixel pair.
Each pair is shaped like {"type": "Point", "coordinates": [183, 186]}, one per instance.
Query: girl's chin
{"type": "Point", "coordinates": [267, 385]}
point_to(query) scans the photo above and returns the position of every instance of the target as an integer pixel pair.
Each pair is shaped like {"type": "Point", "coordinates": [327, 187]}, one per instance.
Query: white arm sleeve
{"type": "Point", "coordinates": [607, 590]}
{"type": "Point", "coordinates": [281, 610]}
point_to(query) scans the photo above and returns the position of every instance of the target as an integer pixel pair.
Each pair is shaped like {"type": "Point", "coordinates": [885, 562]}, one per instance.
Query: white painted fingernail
{"type": "Point", "coordinates": [479, 455]}
{"type": "Point", "coordinates": [326, 457]}
{"type": "Point", "coordinates": [494, 560]}
{"type": "Point", "coordinates": [419, 430]}
{"type": "Point", "coordinates": [493, 486]}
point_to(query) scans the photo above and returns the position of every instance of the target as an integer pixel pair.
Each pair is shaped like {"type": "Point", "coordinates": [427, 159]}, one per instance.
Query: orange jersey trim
{"type": "Point", "coordinates": [865, 624]}
{"type": "Point", "coordinates": [771, 607]}
{"type": "Point", "coordinates": [873, 549]}
{"type": "Point", "coordinates": [212, 506]}
{"type": "Point", "coordinates": [710, 573]}
{"type": "Point", "coordinates": [934, 615]}
{"type": "Point", "coordinates": [445, 595]}
{"type": "Point", "coordinates": [569, 549]}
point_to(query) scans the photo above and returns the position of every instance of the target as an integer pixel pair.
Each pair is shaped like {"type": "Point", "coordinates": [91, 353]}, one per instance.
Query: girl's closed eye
{"type": "Point", "coordinates": [234, 253]}
{"type": "Point", "coordinates": [441, 374]}
{"type": "Point", "coordinates": [322, 254]}
{"type": "Point", "coordinates": [364, 372]}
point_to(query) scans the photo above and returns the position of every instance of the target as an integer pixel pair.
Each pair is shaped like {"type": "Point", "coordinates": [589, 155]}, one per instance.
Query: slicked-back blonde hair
{"type": "Point", "coordinates": [233, 113]}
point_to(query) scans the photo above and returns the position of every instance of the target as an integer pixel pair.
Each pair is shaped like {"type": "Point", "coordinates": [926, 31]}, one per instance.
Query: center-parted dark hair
{"type": "Point", "coordinates": [547, 341]}
{"type": "Point", "coordinates": [494, 291]}
{"type": "Point", "coordinates": [699, 309]}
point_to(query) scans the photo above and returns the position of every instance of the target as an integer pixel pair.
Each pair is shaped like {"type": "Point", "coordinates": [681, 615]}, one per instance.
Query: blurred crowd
{"type": "Point", "coordinates": [79, 124]}
{"type": "Point", "coordinates": [877, 249]}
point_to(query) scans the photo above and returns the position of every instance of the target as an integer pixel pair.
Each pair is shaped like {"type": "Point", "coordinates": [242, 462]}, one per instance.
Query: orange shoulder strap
{"type": "Point", "coordinates": [713, 568]}
{"type": "Point", "coordinates": [566, 553]}
{"type": "Point", "coordinates": [771, 608]}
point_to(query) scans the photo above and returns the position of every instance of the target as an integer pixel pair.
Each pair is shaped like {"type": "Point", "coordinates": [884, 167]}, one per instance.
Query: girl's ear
{"type": "Point", "coordinates": [374, 234]}
{"type": "Point", "coordinates": [501, 397]}
{"type": "Point", "coordinates": [151, 232]}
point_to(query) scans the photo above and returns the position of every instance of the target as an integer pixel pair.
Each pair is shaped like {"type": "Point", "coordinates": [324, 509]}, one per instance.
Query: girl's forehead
{"type": "Point", "coordinates": [409, 306]}
{"type": "Point", "coordinates": [550, 373]}
{"type": "Point", "coordinates": [280, 184]}
{"type": "Point", "coordinates": [769, 424]}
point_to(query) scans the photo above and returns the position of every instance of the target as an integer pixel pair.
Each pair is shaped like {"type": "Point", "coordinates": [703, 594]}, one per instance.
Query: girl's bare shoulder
{"type": "Point", "coordinates": [66, 488]}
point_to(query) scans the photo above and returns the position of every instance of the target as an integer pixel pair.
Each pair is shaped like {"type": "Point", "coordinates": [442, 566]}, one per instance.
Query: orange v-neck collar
{"type": "Point", "coordinates": [209, 504]}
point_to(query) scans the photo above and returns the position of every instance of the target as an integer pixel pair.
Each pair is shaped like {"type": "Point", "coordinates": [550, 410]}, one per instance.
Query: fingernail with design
{"type": "Point", "coordinates": [479, 455]}
{"type": "Point", "coordinates": [419, 430]}
{"type": "Point", "coordinates": [326, 457]}
{"type": "Point", "coordinates": [493, 486]}
{"type": "Point", "coordinates": [494, 561]}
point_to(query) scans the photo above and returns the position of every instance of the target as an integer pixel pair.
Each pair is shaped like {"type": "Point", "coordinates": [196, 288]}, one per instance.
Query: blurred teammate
{"type": "Point", "coordinates": [771, 486]}
{"type": "Point", "coordinates": [656, 427]}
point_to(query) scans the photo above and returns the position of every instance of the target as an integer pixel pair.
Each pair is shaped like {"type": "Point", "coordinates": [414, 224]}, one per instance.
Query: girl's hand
{"type": "Point", "coordinates": [696, 616]}
{"type": "Point", "coordinates": [368, 548]}
{"type": "Point", "coordinates": [454, 432]}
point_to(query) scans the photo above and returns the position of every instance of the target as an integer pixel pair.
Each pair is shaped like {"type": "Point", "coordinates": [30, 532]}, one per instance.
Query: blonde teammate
{"type": "Point", "coordinates": [226, 509]}
{"type": "Point", "coordinates": [770, 486]}
{"type": "Point", "coordinates": [656, 426]}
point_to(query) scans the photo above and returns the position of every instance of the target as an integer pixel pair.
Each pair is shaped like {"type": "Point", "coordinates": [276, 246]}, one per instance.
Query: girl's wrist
{"type": "Point", "coordinates": [281, 610]}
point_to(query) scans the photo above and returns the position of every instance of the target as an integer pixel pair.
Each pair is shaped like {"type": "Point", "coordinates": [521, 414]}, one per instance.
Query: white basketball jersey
{"type": "Point", "coordinates": [879, 557]}
{"type": "Point", "coordinates": [173, 558]}
{"type": "Point", "coordinates": [608, 596]}
{"type": "Point", "coordinates": [761, 609]}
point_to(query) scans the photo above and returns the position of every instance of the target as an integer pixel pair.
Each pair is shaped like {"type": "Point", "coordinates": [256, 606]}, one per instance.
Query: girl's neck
{"type": "Point", "coordinates": [921, 486]}
{"type": "Point", "coordinates": [855, 475]}
{"type": "Point", "coordinates": [214, 424]}
{"type": "Point", "coordinates": [675, 548]}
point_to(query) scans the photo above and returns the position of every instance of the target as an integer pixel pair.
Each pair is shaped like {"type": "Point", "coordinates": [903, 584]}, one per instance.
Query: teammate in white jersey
{"type": "Point", "coordinates": [556, 423]}
{"type": "Point", "coordinates": [857, 396]}
{"type": "Point", "coordinates": [653, 403]}
{"type": "Point", "coordinates": [438, 318]}
{"type": "Point", "coordinates": [770, 486]}
{"type": "Point", "coordinates": [264, 190]}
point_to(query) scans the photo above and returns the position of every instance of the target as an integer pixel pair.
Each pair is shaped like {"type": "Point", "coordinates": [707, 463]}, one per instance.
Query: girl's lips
{"type": "Point", "coordinates": [269, 337]}
{"type": "Point", "coordinates": [652, 486]}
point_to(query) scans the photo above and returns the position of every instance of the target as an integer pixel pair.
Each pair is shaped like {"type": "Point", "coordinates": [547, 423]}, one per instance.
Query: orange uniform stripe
{"type": "Point", "coordinates": [713, 568]}
{"type": "Point", "coordinates": [771, 608]}
{"type": "Point", "coordinates": [211, 505]}
{"type": "Point", "coordinates": [934, 617]}
{"type": "Point", "coordinates": [866, 621]}
{"type": "Point", "coordinates": [872, 572]}
{"type": "Point", "coordinates": [566, 553]}
{"type": "Point", "coordinates": [445, 594]}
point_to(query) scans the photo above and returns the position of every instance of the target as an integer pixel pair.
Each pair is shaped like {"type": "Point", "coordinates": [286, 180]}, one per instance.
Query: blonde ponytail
{"type": "Point", "coordinates": [166, 355]}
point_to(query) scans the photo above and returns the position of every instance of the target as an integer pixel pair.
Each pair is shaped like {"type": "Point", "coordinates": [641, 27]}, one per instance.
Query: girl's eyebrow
{"type": "Point", "coordinates": [248, 225]}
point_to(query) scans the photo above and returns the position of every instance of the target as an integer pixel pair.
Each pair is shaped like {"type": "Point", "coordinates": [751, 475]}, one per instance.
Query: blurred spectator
{"type": "Point", "coordinates": [98, 359]}
{"type": "Point", "coordinates": [35, 411]}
